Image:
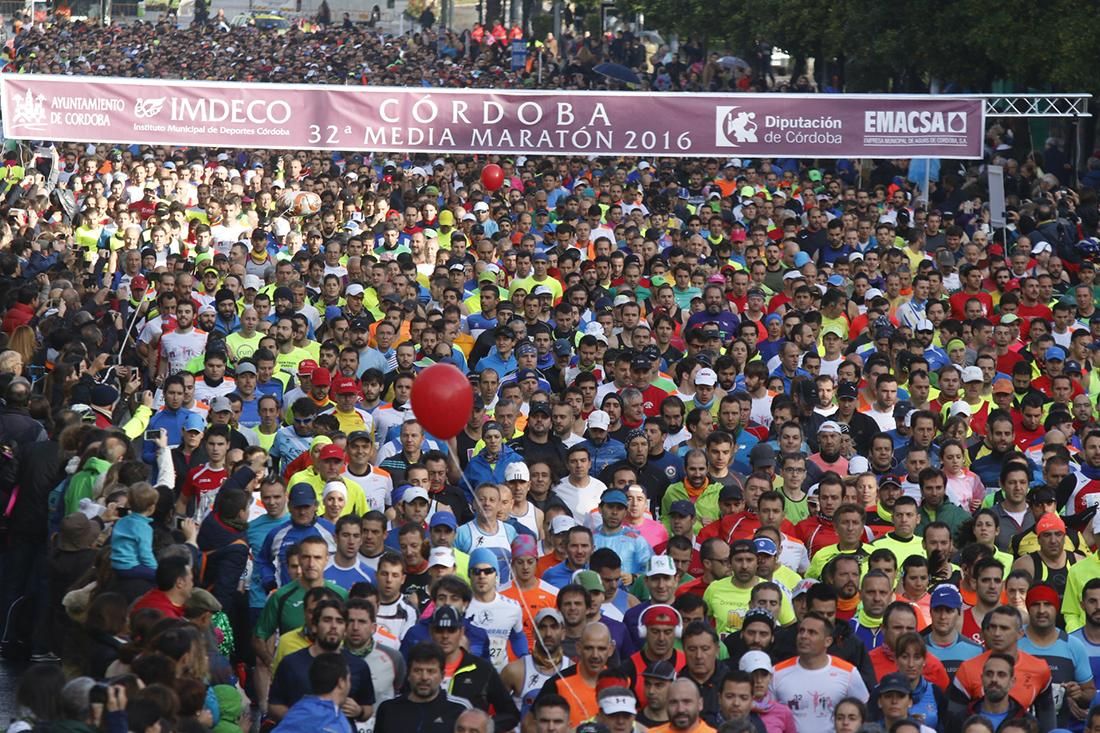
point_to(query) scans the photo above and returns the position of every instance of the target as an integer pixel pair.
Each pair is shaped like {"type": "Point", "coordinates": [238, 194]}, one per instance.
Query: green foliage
{"type": "Point", "coordinates": [886, 46]}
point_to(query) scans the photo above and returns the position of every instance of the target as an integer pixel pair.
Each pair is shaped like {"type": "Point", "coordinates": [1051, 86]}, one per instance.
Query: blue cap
{"type": "Point", "coordinates": [446, 617]}
{"type": "Point", "coordinates": [801, 259]}
{"type": "Point", "coordinates": [333, 312]}
{"type": "Point", "coordinates": [765, 546]}
{"type": "Point", "coordinates": [683, 507]}
{"type": "Point", "coordinates": [836, 281]}
{"type": "Point", "coordinates": [194, 421]}
{"type": "Point", "coordinates": [482, 556]}
{"type": "Point", "coordinates": [1072, 367]}
{"type": "Point", "coordinates": [613, 496]}
{"type": "Point", "coordinates": [302, 495]}
{"type": "Point", "coordinates": [539, 257]}
{"type": "Point", "coordinates": [1054, 352]}
{"type": "Point", "coordinates": [523, 374]}
{"type": "Point", "coordinates": [945, 596]}
{"type": "Point", "coordinates": [443, 519]}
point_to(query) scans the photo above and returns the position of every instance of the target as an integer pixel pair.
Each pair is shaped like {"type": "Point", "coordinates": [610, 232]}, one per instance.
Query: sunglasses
{"type": "Point", "coordinates": [483, 571]}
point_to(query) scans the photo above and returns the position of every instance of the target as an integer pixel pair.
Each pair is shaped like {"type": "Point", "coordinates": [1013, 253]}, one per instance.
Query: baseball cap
{"type": "Point", "coordinates": [443, 519]}
{"type": "Point", "coordinates": [245, 367]}
{"type": "Point", "coordinates": [441, 556]}
{"type": "Point", "coordinates": [731, 493]}
{"type": "Point", "coordinates": [599, 420]}
{"type": "Point", "coordinates": [446, 617]}
{"type": "Point", "coordinates": [562, 347]}
{"type": "Point", "coordinates": [1009, 318]}
{"type": "Point", "coordinates": [660, 565]}
{"type": "Point", "coordinates": [302, 495]}
{"type": "Point", "coordinates": [549, 613]}
{"type": "Point", "coordinates": [344, 385]}
{"type": "Point", "coordinates": [889, 481]}
{"type": "Point", "coordinates": [562, 523]}
{"type": "Point", "coordinates": [193, 421]}
{"type": "Point", "coordinates": [660, 670]}
{"type": "Point", "coordinates": [517, 472]}
{"type": "Point", "coordinates": [925, 325]}
{"type": "Point", "coordinates": [360, 435]}
{"type": "Point", "coordinates": [762, 615]}
{"type": "Point", "coordinates": [755, 660]}
{"type": "Point", "coordinates": [413, 493]}
{"type": "Point", "coordinates": [847, 391]}
{"type": "Point", "coordinates": [959, 407]}
{"type": "Point", "coordinates": [1002, 386]}
{"type": "Point", "coordinates": [539, 407]}
{"type": "Point", "coordinates": [762, 455]}
{"type": "Point", "coordinates": [829, 426]}
{"type": "Point", "coordinates": [354, 289]}
{"type": "Point", "coordinates": [683, 508]}
{"type": "Point", "coordinates": [589, 580]}
{"type": "Point", "coordinates": [945, 596]}
{"type": "Point", "coordinates": [660, 614]}
{"type": "Point", "coordinates": [253, 282]}
{"type": "Point", "coordinates": [1054, 353]}
{"type": "Point", "coordinates": [706, 377]}
{"type": "Point", "coordinates": [523, 374]}
{"type": "Point", "coordinates": [858, 465]}
{"type": "Point", "coordinates": [481, 206]}
{"type": "Point", "coordinates": [972, 374]}
{"type": "Point", "coordinates": [613, 496]}
{"type": "Point", "coordinates": [332, 453]}
{"type": "Point", "coordinates": [893, 682]}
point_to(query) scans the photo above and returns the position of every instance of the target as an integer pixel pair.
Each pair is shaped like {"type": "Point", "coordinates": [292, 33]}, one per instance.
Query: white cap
{"type": "Point", "coordinates": [872, 293]}
{"type": "Point", "coordinates": [517, 472]}
{"type": "Point", "coordinates": [335, 487]}
{"type": "Point", "coordinates": [754, 660]}
{"type": "Point", "coordinates": [925, 325]}
{"type": "Point", "coordinates": [1040, 247]}
{"type": "Point", "coordinates": [481, 206]}
{"type": "Point", "coordinates": [643, 165]}
{"type": "Point", "coordinates": [443, 556]}
{"type": "Point", "coordinates": [829, 426]}
{"type": "Point", "coordinates": [858, 465]}
{"type": "Point", "coordinates": [660, 565]}
{"type": "Point", "coordinates": [280, 227]}
{"type": "Point", "coordinates": [355, 289]}
{"type": "Point", "coordinates": [972, 374]}
{"type": "Point", "coordinates": [594, 328]}
{"type": "Point", "coordinates": [417, 171]}
{"type": "Point", "coordinates": [253, 282]}
{"type": "Point", "coordinates": [562, 523]}
{"type": "Point", "coordinates": [960, 407]}
{"type": "Point", "coordinates": [413, 493]}
{"type": "Point", "coordinates": [468, 217]}
{"type": "Point", "coordinates": [599, 419]}
{"type": "Point", "coordinates": [621, 299]}
{"type": "Point", "coordinates": [793, 275]}
{"type": "Point", "coordinates": [706, 377]}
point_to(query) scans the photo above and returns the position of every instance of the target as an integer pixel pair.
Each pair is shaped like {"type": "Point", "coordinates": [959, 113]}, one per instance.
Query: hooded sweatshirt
{"type": "Point", "coordinates": [312, 714]}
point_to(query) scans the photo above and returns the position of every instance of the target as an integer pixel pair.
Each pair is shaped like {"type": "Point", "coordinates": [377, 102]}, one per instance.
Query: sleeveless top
{"type": "Point", "coordinates": [499, 545]}
{"type": "Point", "coordinates": [1056, 579]}
{"type": "Point", "coordinates": [528, 519]}
{"type": "Point", "coordinates": [533, 680]}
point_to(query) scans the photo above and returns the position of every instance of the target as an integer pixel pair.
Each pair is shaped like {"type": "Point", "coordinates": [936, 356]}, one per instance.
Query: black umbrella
{"type": "Point", "coordinates": [618, 72]}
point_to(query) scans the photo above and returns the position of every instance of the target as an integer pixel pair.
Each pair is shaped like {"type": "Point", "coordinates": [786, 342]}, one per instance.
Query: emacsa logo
{"type": "Point", "coordinates": [956, 122]}
{"type": "Point", "coordinates": [733, 126]}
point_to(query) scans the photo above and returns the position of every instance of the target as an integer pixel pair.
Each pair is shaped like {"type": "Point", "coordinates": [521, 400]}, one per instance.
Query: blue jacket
{"type": "Point", "coordinates": [311, 714]}
{"type": "Point", "coordinates": [602, 456]}
{"type": "Point", "coordinates": [280, 539]}
{"type": "Point", "coordinates": [744, 442]}
{"type": "Point", "coordinates": [497, 363]}
{"type": "Point", "coordinates": [479, 470]}
{"type": "Point", "coordinates": [171, 421]}
{"type": "Point", "coordinates": [132, 542]}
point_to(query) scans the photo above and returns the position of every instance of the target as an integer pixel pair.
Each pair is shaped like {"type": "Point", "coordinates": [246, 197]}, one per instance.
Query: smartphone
{"type": "Point", "coordinates": [152, 434]}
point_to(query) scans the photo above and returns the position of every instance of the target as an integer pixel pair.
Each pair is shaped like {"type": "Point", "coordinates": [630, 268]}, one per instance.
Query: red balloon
{"type": "Point", "coordinates": [492, 176]}
{"type": "Point", "coordinates": [442, 399]}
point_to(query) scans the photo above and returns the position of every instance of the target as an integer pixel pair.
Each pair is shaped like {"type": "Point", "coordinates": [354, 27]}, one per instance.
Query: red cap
{"type": "Point", "coordinates": [1042, 592]}
{"type": "Point", "coordinates": [306, 367]}
{"type": "Point", "coordinates": [1050, 523]}
{"type": "Point", "coordinates": [138, 282]}
{"type": "Point", "coordinates": [660, 615]}
{"type": "Point", "coordinates": [344, 385]}
{"type": "Point", "coordinates": [320, 377]}
{"type": "Point", "coordinates": [331, 452]}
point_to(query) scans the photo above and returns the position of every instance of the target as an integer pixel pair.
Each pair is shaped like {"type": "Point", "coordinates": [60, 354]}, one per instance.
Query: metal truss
{"type": "Point", "coordinates": [1037, 105]}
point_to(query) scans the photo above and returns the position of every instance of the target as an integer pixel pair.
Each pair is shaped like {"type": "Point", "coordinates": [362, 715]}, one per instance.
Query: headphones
{"type": "Point", "coordinates": [676, 630]}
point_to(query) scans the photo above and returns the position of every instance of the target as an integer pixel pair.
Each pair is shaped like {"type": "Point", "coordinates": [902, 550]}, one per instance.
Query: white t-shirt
{"type": "Point", "coordinates": [885, 420]}
{"type": "Point", "coordinates": [812, 694]}
{"type": "Point", "coordinates": [580, 500]}
{"type": "Point", "coordinates": [376, 485]}
{"type": "Point", "coordinates": [179, 348]}
{"type": "Point", "coordinates": [499, 618]}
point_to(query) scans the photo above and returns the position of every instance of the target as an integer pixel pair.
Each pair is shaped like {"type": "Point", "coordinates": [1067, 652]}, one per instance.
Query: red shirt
{"type": "Point", "coordinates": [203, 479]}
{"type": "Point", "coordinates": [739, 526]}
{"type": "Point", "coordinates": [958, 303]}
{"type": "Point", "coordinates": [159, 600]}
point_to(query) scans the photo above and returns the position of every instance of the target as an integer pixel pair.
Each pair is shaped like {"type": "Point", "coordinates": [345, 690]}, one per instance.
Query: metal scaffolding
{"type": "Point", "coordinates": [1036, 105]}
